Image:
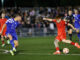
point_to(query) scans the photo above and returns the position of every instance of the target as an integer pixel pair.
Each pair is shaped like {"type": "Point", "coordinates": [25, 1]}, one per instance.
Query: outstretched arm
{"type": "Point", "coordinates": [48, 19]}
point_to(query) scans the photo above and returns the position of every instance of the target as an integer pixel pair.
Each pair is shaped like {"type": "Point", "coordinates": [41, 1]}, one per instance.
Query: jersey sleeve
{"type": "Point", "coordinates": [8, 21]}
{"type": "Point", "coordinates": [64, 22]}
{"type": "Point", "coordinates": [54, 20]}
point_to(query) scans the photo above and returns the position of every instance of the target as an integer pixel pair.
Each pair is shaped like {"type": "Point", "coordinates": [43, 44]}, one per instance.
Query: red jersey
{"type": "Point", "coordinates": [61, 29]}
{"type": "Point", "coordinates": [2, 22]}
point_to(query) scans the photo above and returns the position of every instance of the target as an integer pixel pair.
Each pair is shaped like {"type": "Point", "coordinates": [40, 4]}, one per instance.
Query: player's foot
{"type": "Point", "coordinates": [77, 45]}
{"type": "Point", "coordinates": [3, 45]}
{"type": "Point", "coordinates": [14, 49]}
{"type": "Point", "coordinates": [57, 52]}
{"type": "Point", "coordinates": [8, 41]}
{"type": "Point", "coordinates": [12, 53]}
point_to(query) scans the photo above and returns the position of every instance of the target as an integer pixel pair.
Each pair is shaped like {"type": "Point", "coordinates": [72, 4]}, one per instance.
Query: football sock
{"type": "Point", "coordinates": [57, 48]}
{"type": "Point", "coordinates": [70, 36]}
{"type": "Point", "coordinates": [12, 44]}
{"type": "Point", "coordinates": [3, 42]}
{"type": "Point", "coordinates": [72, 43]}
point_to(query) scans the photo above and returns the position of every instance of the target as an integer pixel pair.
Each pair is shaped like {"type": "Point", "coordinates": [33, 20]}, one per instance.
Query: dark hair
{"type": "Point", "coordinates": [59, 16]}
{"type": "Point", "coordinates": [69, 10]}
{"type": "Point", "coordinates": [3, 13]}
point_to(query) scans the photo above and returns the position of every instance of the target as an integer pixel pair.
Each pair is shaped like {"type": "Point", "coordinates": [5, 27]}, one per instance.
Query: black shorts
{"type": "Point", "coordinates": [68, 28]}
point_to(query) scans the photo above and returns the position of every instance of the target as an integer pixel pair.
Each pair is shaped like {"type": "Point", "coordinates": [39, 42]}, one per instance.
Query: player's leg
{"type": "Point", "coordinates": [56, 41]}
{"type": "Point", "coordinates": [12, 44]}
{"type": "Point", "coordinates": [70, 34]}
{"type": "Point", "coordinates": [2, 39]}
{"type": "Point", "coordinates": [56, 46]}
{"type": "Point", "coordinates": [70, 42]}
{"type": "Point", "coordinates": [11, 40]}
{"type": "Point", "coordinates": [8, 41]}
{"type": "Point", "coordinates": [4, 34]}
{"type": "Point", "coordinates": [15, 38]}
{"type": "Point", "coordinates": [16, 43]}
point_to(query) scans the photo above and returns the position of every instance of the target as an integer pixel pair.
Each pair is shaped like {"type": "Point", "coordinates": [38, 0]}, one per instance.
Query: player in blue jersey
{"type": "Point", "coordinates": [11, 24]}
{"type": "Point", "coordinates": [77, 22]}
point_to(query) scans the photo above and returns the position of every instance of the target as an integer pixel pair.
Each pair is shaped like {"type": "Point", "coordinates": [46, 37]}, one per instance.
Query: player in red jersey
{"type": "Point", "coordinates": [61, 36]}
{"type": "Point", "coordinates": [2, 22]}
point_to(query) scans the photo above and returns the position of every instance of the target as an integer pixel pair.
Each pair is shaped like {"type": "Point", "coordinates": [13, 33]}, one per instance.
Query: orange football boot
{"type": "Point", "coordinates": [57, 52]}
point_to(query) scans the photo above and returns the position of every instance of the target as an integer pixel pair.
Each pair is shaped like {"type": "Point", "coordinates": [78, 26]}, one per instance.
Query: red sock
{"type": "Point", "coordinates": [2, 42]}
{"type": "Point", "coordinates": [72, 43]}
{"type": "Point", "coordinates": [57, 48]}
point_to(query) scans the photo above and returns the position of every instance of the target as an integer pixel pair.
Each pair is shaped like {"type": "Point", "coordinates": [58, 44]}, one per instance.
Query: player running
{"type": "Point", "coordinates": [70, 20]}
{"type": "Point", "coordinates": [11, 24]}
{"type": "Point", "coordinates": [61, 36]}
{"type": "Point", "coordinates": [2, 22]}
{"type": "Point", "coordinates": [77, 22]}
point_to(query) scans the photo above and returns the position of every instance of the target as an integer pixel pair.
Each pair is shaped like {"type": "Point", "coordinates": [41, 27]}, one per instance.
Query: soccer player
{"type": "Point", "coordinates": [77, 22]}
{"type": "Point", "coordinates": [11, 24]}
{"type": "Point", "coordinates": [61, 36]}
{"type": "Point", "coordinates": [70, 20]}
{"type": "Point", "coordinates": [2, 22]}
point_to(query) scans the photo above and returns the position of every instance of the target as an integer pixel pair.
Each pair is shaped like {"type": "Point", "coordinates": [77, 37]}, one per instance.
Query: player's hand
{"type": "Point", "coordinates": [44, 18]}
{"type": "Point", "coordinates": [74, 28]}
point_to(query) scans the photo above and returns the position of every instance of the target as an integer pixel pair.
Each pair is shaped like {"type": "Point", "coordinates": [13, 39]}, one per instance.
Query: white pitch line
{"type": "Point", "coordinates": [43, 54]}
{"type": "Point", "coordinates": [46, 54]}
{"type": "Point", "coordinates": [36, 53]}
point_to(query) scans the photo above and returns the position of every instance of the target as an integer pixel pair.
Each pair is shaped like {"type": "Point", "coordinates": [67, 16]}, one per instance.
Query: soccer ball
{"type": "Point", "coordinates": [65, 50]}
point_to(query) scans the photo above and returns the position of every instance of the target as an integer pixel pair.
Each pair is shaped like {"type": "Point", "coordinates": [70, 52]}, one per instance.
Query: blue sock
{"type": "Point", "coordinates": [79, 36]}
{"type": "Point", "coordinates": [12, 44]}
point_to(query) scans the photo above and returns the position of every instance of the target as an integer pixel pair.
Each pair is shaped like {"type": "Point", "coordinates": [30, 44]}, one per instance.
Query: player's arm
{"type": "Point", "coordinates": [66, 19]}
{"type": "Point", "coordinates": [2, 29]}
{"type": "Point", "coordinates": [48, 19]}
{"type": "Point", "coordinates": [71, 26]}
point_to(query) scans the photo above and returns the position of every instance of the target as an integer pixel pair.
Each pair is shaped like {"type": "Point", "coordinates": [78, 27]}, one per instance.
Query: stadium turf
{"type": "Point", "coordinates": [40, 48]}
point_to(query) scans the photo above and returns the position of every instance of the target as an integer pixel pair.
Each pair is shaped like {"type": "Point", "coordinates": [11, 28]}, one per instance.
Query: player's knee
{"type": "Point", "coordinates": [10, 37]}
{"type": "Point", "coordinates": [55, 41]}
{"type": "Point", "coordinates": [70, 32]}
{"type": "Point", "coordinates": [16, 43]}
{"type": "Point", "coordinates": [63, 40]}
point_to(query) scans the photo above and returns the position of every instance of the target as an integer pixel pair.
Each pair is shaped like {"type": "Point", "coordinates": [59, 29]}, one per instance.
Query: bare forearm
{"type": "Point", "coordinates": [48, 19]}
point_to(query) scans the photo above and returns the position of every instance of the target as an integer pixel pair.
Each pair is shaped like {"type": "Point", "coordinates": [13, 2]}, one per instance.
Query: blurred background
{"type": "Point", "coordinates": [33, 12]}
{"type": "Point", "coordinates": [39, 3]}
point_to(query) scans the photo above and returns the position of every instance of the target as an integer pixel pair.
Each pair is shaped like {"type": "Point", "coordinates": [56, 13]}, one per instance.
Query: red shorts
{"type": "Point", "coordinates": [61, 37]}
{"type": "Point", "coordinates": [4, 32]}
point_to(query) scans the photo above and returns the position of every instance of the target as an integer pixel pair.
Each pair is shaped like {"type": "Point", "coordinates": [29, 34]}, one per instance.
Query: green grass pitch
{"type": "Point", "coordinates": [40, 48]}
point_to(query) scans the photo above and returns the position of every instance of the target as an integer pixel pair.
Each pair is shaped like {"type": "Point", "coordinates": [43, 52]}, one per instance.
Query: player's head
{"type": "Point", "coordinates": [58, 18]}
{"type": "Point", "coordinates": [3, 15]}
{"type": "Point", "coordinates": [70, 12]}
{"type": "Point", "coordinates": [76, 11]}
{"type": "Point", "coordinates": [18, 17]}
